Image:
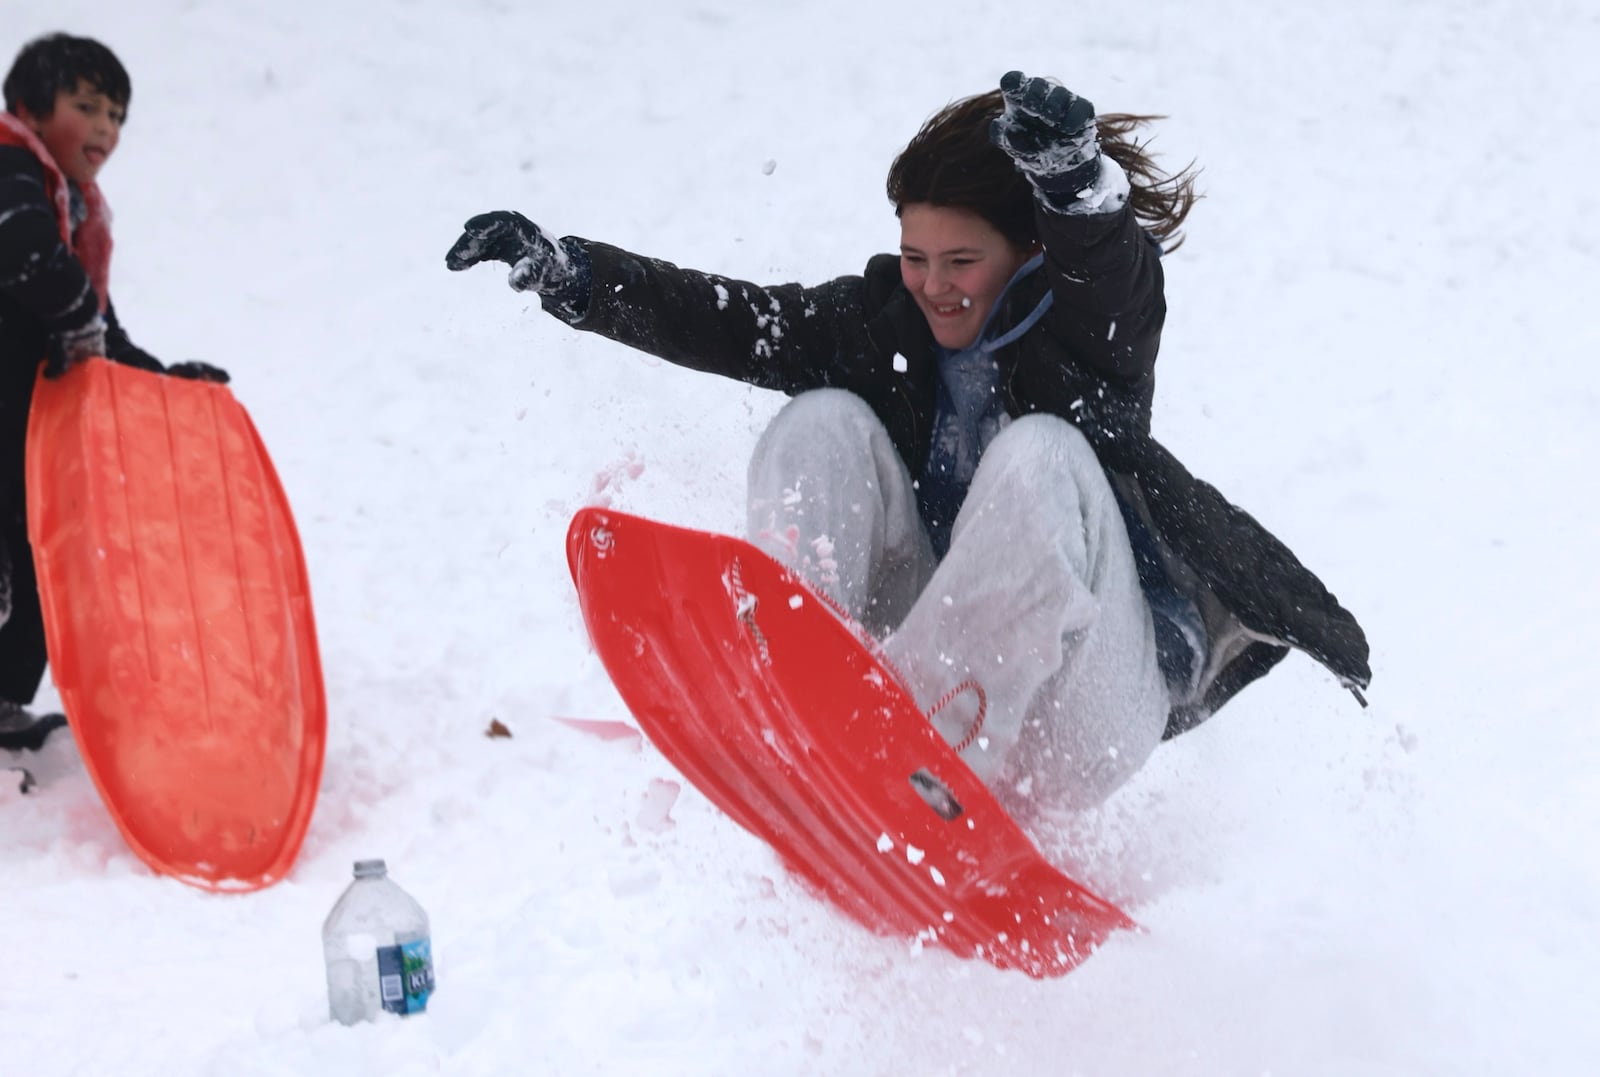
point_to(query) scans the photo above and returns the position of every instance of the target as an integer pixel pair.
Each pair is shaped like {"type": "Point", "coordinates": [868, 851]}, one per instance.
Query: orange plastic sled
{"type": "Point", "coordinates": [769, 703]}
{"type": "Point", "coordinates": [178, 618]}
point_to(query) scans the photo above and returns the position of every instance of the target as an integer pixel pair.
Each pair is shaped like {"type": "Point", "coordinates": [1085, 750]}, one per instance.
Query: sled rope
{"type": "Point", "coordinates": [970, 684]}
{"type": "Point", "coordinates": [744, 608]}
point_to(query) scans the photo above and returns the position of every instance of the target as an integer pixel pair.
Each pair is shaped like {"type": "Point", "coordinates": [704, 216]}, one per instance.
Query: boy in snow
{"type": "Point", "coordinates": [66, 100]}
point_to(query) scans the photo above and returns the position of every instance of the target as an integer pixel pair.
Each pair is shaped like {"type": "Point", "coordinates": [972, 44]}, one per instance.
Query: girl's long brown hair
{"type": "Point", "coordinates": [952, 162]}
{"type": "Point", "coordinates": [1161, 202]}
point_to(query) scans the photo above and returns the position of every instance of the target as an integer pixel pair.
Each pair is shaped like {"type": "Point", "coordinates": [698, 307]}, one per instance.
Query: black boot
{"type": "Point", "coordinates": [23, 731]}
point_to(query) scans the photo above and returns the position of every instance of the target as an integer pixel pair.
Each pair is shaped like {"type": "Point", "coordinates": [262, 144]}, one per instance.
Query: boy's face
{"type": "Point", "coordinates": [81, 132]}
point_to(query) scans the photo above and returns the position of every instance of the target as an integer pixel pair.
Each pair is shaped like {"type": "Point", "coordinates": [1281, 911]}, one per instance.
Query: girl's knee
{"type": "Point", "coordinates": [834, 417]}
{"type": "Point", "coordinates": [826, 407]}
{"type": "Point", "coordinates": [1041, 441]}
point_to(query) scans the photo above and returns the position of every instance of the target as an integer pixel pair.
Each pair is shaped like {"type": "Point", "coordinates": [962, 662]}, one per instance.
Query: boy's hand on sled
{"type": "Point", "coordinates": [64, 350]}
{"type": "Point", "coordinates": [195, 370]}
{"type": "Point", "coordinates": [56, 362]}
{"type": "Point", "coordinates": [537, 259]}
{"type": "Point", "coordinates": [1050, 133]}
{"type": "Point", "coordinates": [139, 359]}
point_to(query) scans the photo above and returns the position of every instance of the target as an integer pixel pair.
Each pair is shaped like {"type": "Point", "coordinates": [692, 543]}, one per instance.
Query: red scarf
{"type": "Point", "coordinates": [91, 244]}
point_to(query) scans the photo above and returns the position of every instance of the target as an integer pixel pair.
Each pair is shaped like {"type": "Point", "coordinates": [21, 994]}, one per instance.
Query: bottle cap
{"type": "Point", "coordinates": [370, 869]}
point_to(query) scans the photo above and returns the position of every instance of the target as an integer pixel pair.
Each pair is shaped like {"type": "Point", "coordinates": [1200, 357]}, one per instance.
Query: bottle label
{"type": "Point", "coordinates": [405, 976]}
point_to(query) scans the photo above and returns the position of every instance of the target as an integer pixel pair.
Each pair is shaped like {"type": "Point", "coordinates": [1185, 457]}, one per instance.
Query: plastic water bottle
{"type": "Point", "coordinates": [377, 948]}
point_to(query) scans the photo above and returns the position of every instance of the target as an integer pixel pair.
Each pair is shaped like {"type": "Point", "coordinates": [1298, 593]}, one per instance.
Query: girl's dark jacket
{"type": "Point", "coordinates": [1090, 360]}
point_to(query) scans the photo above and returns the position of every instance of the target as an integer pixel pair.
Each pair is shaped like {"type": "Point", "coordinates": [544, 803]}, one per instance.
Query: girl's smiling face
{"type": "Point", "coordinates": [956, 264]}
{"type": "Point", "coordinates": [82, 131]}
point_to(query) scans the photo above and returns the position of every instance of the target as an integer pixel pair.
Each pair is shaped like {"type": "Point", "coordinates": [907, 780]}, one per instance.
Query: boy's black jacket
{"type": "Point", "coordinates": [44, 290]}
{"type": "Point", "coordinates": [1090, 360]}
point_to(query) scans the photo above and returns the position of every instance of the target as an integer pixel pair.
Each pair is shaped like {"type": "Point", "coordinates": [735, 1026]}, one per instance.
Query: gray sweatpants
{"type": "Point", "coordinates": [1038, 600]}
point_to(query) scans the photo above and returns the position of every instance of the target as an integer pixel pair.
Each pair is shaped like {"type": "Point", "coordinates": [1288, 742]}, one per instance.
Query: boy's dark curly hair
{"type": "Point", "coordinates": [56, 62]}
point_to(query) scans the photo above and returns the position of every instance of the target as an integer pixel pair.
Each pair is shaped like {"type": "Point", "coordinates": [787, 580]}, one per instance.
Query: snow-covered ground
{"type": "Point", "coordinates": [1381, 342]}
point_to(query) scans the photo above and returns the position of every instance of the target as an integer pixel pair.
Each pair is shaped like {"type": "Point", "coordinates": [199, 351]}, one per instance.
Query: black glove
{"type": "Point", "coordinates": [195, 370]}
{"type": "Point", "coordinates": [538, 261]}
{"type": "Point", "coordinates": [56, 360]}
{"type": "Point", "coordinates": [64, 350]}
{"type": "Point", "coordinates": [1050, 133]}
{"type": "Point", "coordinates": [138, 358]}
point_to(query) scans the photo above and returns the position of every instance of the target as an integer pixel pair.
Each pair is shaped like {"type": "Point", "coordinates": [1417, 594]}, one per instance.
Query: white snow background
{"type": "Point", "coordinates": [1382, 342]}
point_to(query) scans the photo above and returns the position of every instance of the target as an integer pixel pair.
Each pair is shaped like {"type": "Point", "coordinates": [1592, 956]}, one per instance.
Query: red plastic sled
{"type": "Point", "coordinates": [768, 702]}
{"type": "Point", "coordinates": [178, 618]}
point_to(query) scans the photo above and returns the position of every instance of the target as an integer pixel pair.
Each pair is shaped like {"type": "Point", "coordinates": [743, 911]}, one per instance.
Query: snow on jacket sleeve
{"type": "Point", "coordinates": [1110, 299]}
{"type": "Point", "coordinates": [771, 337]}
{"type": "Point", "coordinates": [39, 277]}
